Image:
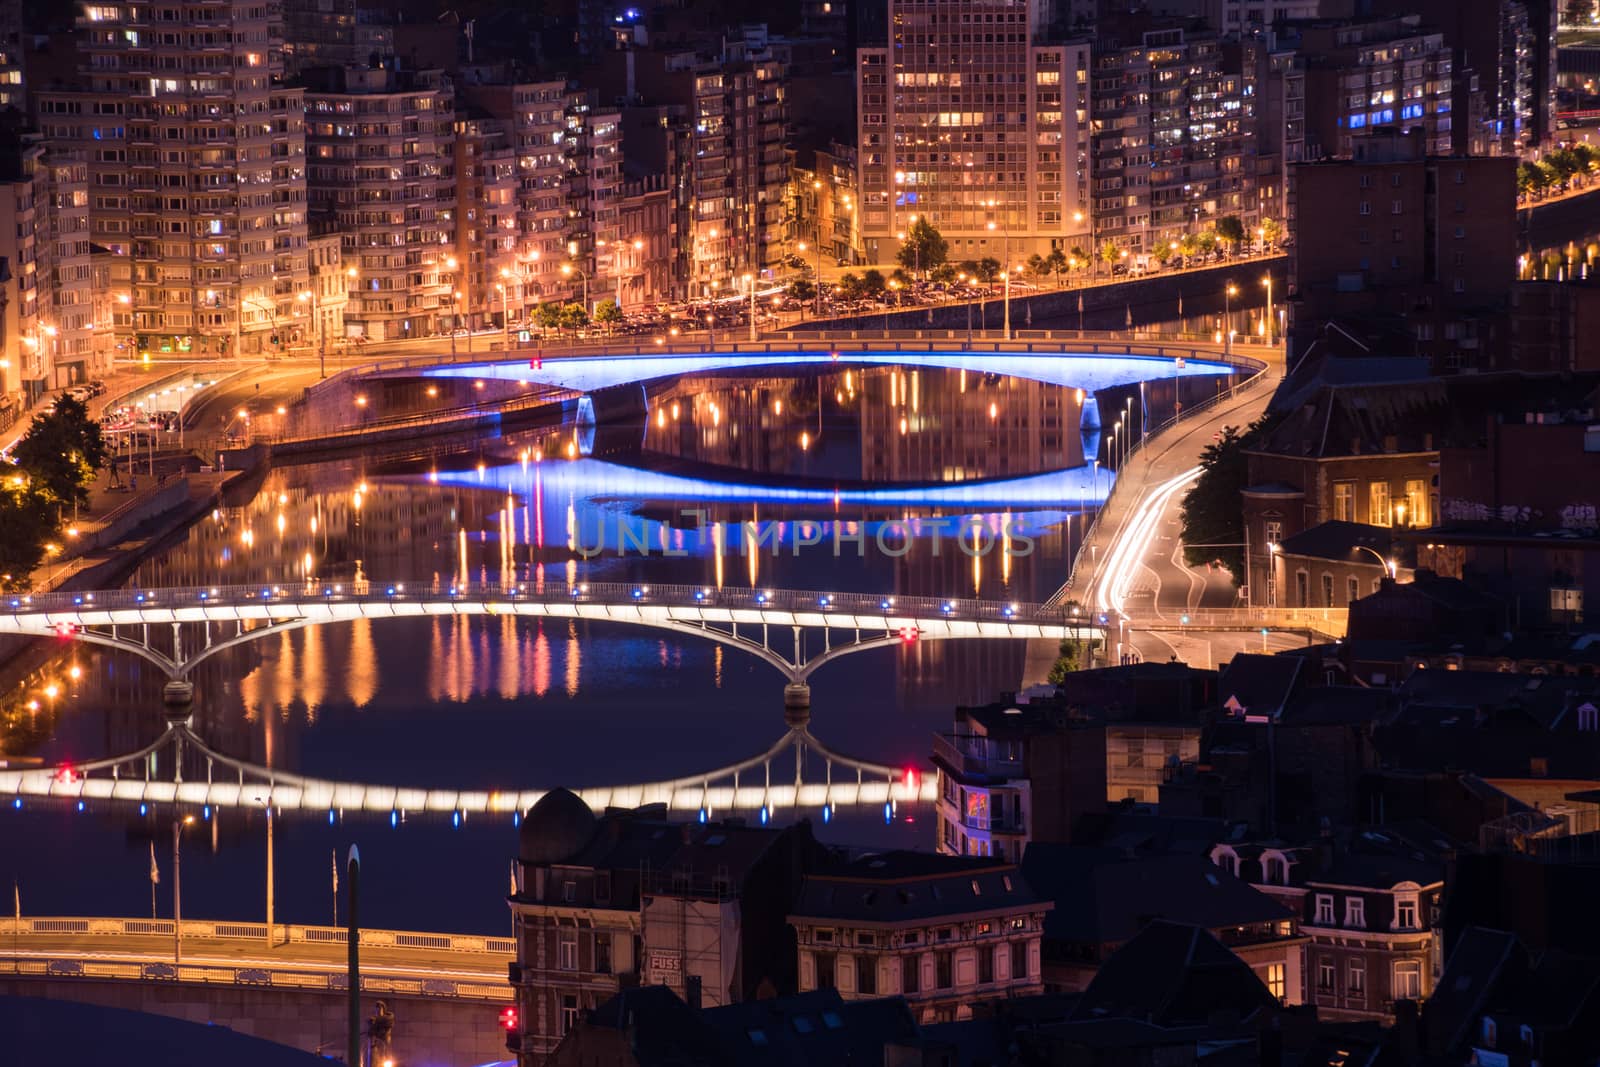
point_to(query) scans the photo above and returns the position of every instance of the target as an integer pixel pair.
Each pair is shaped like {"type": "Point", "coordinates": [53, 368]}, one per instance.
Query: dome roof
{"type": "Point", "coordinates": [556, 828]}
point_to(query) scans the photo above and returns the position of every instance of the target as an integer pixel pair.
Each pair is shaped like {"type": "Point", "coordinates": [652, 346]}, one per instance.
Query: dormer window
{"type": "Point", "coordinates": [1226, 858]}
{"type": "Point", "coordinates": [1324, 909]}
{"type": "Point", "coordinates": [1274, 870]}
{"type": "Point", "coordinates": [1405, 913]}
{"type": "Point", "coordinates": [1491, 1033]}
{"type": "Point", "coordinates": [1355, 913]}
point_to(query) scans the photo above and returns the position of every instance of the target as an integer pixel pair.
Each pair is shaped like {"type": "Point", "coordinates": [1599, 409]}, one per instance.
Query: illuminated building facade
{"type": "Point", "coordinates": [965, 120]}
{"type": "Point", "coordinates": [194, 151]}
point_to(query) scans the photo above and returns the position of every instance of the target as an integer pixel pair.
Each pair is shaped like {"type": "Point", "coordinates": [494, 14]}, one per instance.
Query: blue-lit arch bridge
{"type": "Point", "coordinates": [797, 772]}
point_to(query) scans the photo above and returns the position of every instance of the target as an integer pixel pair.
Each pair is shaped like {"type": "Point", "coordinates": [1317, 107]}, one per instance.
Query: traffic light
{"type": "Point", "coordinates": [509, 1022]}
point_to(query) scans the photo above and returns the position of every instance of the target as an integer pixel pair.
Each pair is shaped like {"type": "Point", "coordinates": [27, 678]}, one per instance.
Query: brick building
{"type": "Point", "coordinates": [1424, 243]}
{"type": "Point", "coordinates": [1368, 913]}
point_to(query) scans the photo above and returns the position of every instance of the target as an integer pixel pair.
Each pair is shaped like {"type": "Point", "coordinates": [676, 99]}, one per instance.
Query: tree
{"type": "Point", "coordinates": [943, 274]}
{"type": "Point", "coordinates": [573, 317]}
{"type": "Point", "coordinates": [900, 278]}
{"type": "Point", "coordinates": [548, 316]}
{"type": "Point", "coordinates": [1162, 252]}
{"type": "Point", "coordinates": [802, 290]}
{"type": "Point", "coordinates": [62, 451]}
{"type": "Point", "coordinates": [1231, 230]}
{"type": "Point", "coordinates": [872, 282]}
{"type": "Point", "coordinates": [607, 313]}
{"type": "Point", "coordinates": [969, 267]}
{"type": "Point", "coordinates": [28, 520]}
{"type": "Point", "coordinates": [988, 269]}
{"type": "Point", "coordinates": [1109, 252]}
{"type": "Point", "coordinates": [1071, 655]}
{"type": "Point", "coordinates": [1207, 240]}
{"type": "Point", "coordinates": [1271, 233]}
{"type": "Point", "coordinates": [1189, 245]}
{"type": "Point", "coordinates": [849, 287]}
{"type": "Point", "coordinates": [1078, 258]}
{"type": "Point", "coordinates": [924, 247]}
{"type": "Point", "coordinates": [1056, 264]}
{"type": "Point", "coordinates": [1213, 511]}
{"type": "Point", "coordinates": [1037, 266]}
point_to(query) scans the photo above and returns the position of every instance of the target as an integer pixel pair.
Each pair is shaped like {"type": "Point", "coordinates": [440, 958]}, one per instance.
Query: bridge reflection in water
{"type": "Point", "coordinates": [798, 771]}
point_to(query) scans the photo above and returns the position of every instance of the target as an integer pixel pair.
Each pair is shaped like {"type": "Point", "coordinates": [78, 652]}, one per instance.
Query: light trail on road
{"type": "Point", "coordinates": [1128, 552]}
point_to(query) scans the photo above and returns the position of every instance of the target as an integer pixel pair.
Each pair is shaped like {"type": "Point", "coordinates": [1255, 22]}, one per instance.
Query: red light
{"type": "Point", "coordinates": [508, 1019]}
{"type": "Point", "coordinates": [911, 779]}
{"type": "Point", "coordinates": [66, 776]}
{"type": "Point", "coordinates": [908, 634]}
{"type": "Point", "coordinates": [65, 630]}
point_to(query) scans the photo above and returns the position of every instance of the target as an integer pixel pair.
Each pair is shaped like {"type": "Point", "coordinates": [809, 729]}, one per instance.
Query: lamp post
{"type": "Point", "coordinates": [638, 268]}
{"type": "Point", "coordinates": [568, 269]}
{"type": "Point", "coordinates": [310, 296]}
{"type": "Point", "coordinates": [1227, 317]}
{"type": "Point", "coordinates": [816, 275]}
{"type": "Point", "coordinates": [1388, 565]}
{"type": "Point", "coordinates": [1267, 281]}
{"type": "Point", "coordinates": [504, 285]}
{"type": "Point", "coordinates": [1273, 548]}
{"type": "Point", "coordinates": [750, 280]}
{"type": "Point", "coordinates": [1006, 264]}
{"type": "Point", "coordinates": [177, 887]}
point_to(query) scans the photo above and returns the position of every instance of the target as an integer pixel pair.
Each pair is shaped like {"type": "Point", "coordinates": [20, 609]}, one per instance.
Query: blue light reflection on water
{"type": "Point", "coordinates": [1081, 370]}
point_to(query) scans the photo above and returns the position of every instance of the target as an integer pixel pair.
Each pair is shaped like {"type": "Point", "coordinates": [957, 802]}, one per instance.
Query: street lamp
{"type": "Point", "coordinates": [567, 269]}
{"type": "Point", "coordinates": [310, 295]}
{"type": "Point", "coordinates": [1273, 548]}
{"type": "Point", "coordinates": [177, 887]}
{"type": "Point", "coordinates": [505, 304]}
{"type": "Point", "coordinates": [1388, 565]}
{"type": "Point", "coordinates": [1267, 281]}
{"type": "Point", "coordinates": [1227, 317]}
{"type": "Point", "coordinates": [750, 280]}
{"type": "Point", "coordinates": [1006, 263]}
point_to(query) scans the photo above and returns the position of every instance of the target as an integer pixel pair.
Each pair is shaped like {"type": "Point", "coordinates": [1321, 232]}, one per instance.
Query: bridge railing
{"type": "Point", "coordinates": [208, 930]}
{"type": "Point", "coordinates": [1036, 342]}
{"type": "Point", "coordinates": [889, 606]}
{"type": "Point", "coordinates": [1323, 620]}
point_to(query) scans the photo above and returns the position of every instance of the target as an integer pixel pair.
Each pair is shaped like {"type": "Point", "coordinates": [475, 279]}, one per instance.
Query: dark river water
{"type": "Point", "coordinates": [842, 452]}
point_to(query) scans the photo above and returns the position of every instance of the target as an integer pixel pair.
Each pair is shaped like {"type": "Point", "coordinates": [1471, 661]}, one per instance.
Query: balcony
{"type": "Point", "coordinates": [969, 756]}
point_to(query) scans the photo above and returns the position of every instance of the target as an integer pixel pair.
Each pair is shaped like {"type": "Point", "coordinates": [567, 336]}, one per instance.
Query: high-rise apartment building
{"type": "Point", "coordinates": [195, 161]}
{"type": "Point", "coordinates": [1377, 73]}
{"type": "Point", "coordinates": [967, 119]}
{"type": "Point", "coordinates": [379, 143]}
{"type": "Point", "coordinates": [11, 88]}
{"type": "Point", "coordinates": [1174, 140]}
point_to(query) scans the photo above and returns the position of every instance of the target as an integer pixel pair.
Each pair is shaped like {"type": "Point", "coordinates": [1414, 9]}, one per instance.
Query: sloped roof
{"type": "Point", "coordinates": [1103, 897]}
{"type": "Point", "coordinates": [1345, 542]}
{"type": "Point", "coordinates": [895, 887]}
{"type": "Point", "coordinates": [67, 1034]}
{"type": "Point", "coordinates": [1258, 684]}
{"type": "Point", "coordinates": [1171, 974]}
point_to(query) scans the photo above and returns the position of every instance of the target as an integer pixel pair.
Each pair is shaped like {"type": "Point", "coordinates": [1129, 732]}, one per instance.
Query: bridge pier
{"type": "Point", "coordinates": [178, 698]}
{"type": "Point", "coordinates": [797, 705]}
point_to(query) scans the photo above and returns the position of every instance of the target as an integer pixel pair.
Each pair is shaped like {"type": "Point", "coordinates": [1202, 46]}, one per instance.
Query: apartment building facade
{"type": "Point", "coordinates": [1377, 73]}
{"type": "Point", "coordinates": [194, 151]}
{"type": "Point", "coordinates": [379, 143]}
{"type": "Point", "coordinates": [967, 120]}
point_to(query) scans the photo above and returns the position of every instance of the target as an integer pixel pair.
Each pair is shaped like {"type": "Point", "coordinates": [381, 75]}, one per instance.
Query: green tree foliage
{"type": "Point", "coordinates": [1271, 232]}
{"type": "Point", "coordinates": [1231, 230]}
{"type": "Point", "coordinates": [1071, 656]}
{"type": "Point", "coordinates": [62, 451]}
{"type": "Point", "coordinates": [924, 247]}
{"type": "Point", "coordinates": [802, 290]}
{"type": "Point", "coordinates": [28, 520]}
{"type": "Point", "coordinates": [873, 282]}
{"type": "Point", "coordinates": [1109, 252]}
{"type": "Point", "coordinates": [548, 316]}
{"type": "Point", "coordinates": [988, 269]}
{"type": "Point", "coordinates": [943, 274]}
{"type": "Point", "coordinates": [573, 317]}
{"type": "Point", "coordinates": [1056, 264]}
{"type": "Point", "coordinates": [849, 287]}
{"type": "Point", "coordinates": [969, 267]}
{"type": "Point", "coordinates": [1213, 512]}
{"type": "Point", "coordinates": [607, 313]}
{"type": "Point", "coordinates": [900, 278]}
{"type": "Point", "coordinates": [1162, 252]}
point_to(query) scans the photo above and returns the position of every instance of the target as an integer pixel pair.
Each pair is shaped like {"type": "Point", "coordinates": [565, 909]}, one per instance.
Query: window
{"type": "Point", "coordinates": [1344, 501]}
{"type": "Point", "coordinates": [1276, 984]}
{"type": "Point", "coordinates": [827, 962]}
{"type": "Point", "coordinates": [1274, 529]}
{"type": "Point", "coordinates": [569, 1014]}
{"type": "Point", "coordinates": [567, 950]}
{"type": "Point", "coordinates": [944, 966]}
{"type": "Point", "coordinates": [1355, 912]}
{"type": "Point", "coordinates": [1274, 871]}
{"type": "Point", "coordinates": [1019, 960]}
{"type": "Point", "coordinates": [1327, 590]}
{"type": "Point", "coordinates": [1416, 513]}
{"type": "Point", "coordinates": [866, 975]}
{"type": "Point", "coordinates": [1324, 909]}
{"type": "Point", "coordinates": [1356, 977]}
{"type": "Point", "coordinates": [1378, 504]}
{"type": "Point", "coordinates": [569, 891]}
{"type": "Point", "coordinates": [1325, 975]}
{"type": "Point", "coordinates": [1408, 980]}
{"type": "Point", "coordinates": [1490, 1033]}
{"type": "Point", "coordinates": [602, 954]}
{"type": "Point", "coordinates": [986, 964]}
{"type": "Point", "coordinates": [1366, 207]}
{"type": "Point", "coordinates": [1405, 913]}
{"type": "Point", "coordinates": [910, 974]}
{"type": "Point", "coordinates": [1352, 589]}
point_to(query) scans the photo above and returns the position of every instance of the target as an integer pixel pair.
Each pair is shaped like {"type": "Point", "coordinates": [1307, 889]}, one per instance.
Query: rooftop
{"type": "Point", "coordinates": [895, 887]}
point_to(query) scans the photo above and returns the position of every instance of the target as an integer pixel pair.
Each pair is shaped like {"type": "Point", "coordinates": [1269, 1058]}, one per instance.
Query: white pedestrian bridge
{"type": "Point", "coordinates": [798, 772]}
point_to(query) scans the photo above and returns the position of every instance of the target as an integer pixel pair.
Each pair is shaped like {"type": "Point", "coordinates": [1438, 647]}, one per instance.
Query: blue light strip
{"type": "Point", "coordinates": [1085, 371]}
